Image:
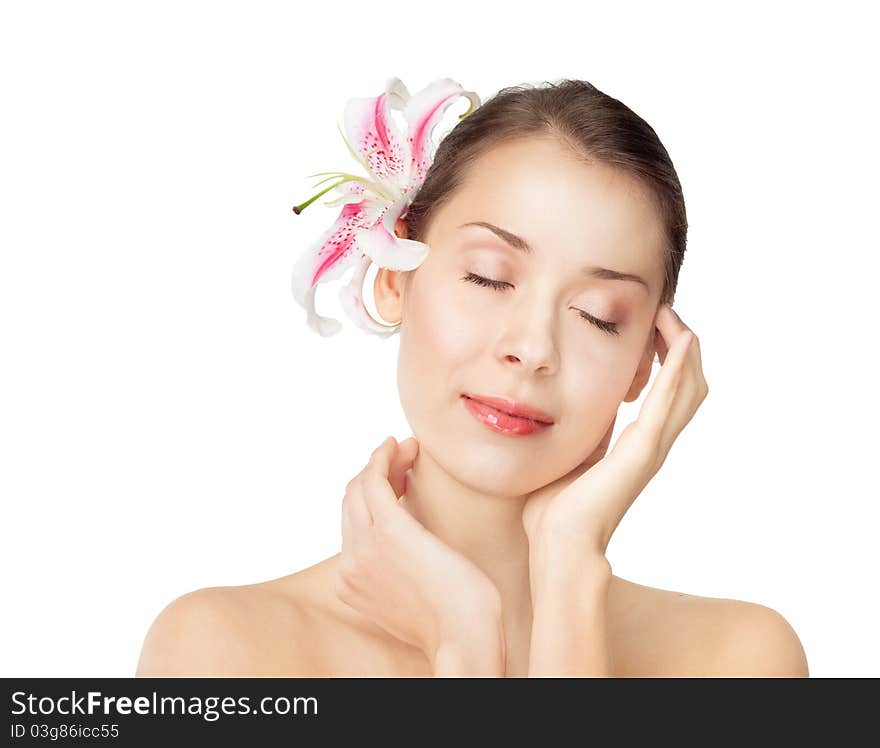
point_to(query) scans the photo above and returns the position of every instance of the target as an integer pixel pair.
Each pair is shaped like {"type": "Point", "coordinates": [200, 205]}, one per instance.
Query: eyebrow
{"type": "Point", "coordinates": [517, 242]}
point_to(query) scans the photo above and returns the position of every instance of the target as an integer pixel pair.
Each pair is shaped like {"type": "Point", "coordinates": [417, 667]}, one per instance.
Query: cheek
{"type": "Point", "coordinates": [438, 339]}
{"type": "Point", "coordinates": [442, 326]}
{"type": "Point", "coordinates": [588, 403]}
{"type": "Point", "coordinates": [590, 400]}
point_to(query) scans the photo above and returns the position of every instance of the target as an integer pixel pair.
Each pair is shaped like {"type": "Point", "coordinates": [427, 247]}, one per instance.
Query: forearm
{"type": "Point", "coordinates": [569, 601]}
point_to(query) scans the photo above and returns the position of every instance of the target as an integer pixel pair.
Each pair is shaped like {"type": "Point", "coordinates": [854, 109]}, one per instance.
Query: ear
{"type": "Point", "coordinates": [643, 372]}
{"type": "Point", "coordinates": [390, 286]}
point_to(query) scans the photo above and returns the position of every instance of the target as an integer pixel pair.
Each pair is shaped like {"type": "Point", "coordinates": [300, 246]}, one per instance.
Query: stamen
{"type": "Point", "coordinates": [302, 206]}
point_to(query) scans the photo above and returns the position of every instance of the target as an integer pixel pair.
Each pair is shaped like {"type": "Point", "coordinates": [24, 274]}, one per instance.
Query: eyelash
{"type": "Point", "coordinates": [609, 327]}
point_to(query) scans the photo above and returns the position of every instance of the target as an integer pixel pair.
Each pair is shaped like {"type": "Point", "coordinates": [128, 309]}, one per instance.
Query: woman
{"type": "Point", "coordinates": [557, 227]}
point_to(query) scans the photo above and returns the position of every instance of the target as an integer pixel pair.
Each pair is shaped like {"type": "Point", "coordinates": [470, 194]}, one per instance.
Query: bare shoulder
{"type": "Point", "coordinates": [755, 641]}
{"type": "Point", "coordinates": [667, 633]}
{"type": "Point", "coordinates": [240, 631]}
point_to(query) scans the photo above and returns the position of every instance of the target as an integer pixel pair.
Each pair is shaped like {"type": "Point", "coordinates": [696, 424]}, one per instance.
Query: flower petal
{"type": "Point", "coordinates": [369, 126]}
{"type": "Point", "coordinates": [328, 258]}
{"type": "Point", "coordinates": [422, 112]}
{"type": "Point", "coordinates": [384, 247]}
{"type": "Point", "coordinates": [352, 301]}
{"type": "Point", "coordinates": [364, 231]}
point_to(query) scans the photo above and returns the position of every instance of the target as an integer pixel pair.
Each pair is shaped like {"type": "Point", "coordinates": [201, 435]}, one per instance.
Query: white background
{"type": "Point", "coordinates": [167, 420]}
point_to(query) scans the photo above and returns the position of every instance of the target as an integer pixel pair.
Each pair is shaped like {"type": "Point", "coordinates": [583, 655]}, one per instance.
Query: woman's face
{"type": "Point", "coordinates": [527, 340]}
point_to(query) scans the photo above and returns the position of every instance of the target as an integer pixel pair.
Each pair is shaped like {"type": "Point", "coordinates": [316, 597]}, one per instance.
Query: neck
{"type": "Point", "coordinates": [485, 528]}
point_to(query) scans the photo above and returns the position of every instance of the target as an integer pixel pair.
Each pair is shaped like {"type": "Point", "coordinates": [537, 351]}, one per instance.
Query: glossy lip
{"type": "Point", "coordinates": [501, 422]}
{"type": "Point", "coordinates": [513, 408]}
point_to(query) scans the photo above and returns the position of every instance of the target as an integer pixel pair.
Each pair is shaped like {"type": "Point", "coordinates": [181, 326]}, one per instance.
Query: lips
{"type": "Point", "coordinates": [502, 422]}
{"type": "Point", "coordinates": [513, 408]}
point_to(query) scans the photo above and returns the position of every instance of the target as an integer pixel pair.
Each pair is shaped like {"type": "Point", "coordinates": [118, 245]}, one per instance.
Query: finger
{"type": "Point", "coordinates": [673, 320]}
{"type": "Point", "coordinates": [347, 530]}
{"type": "Point", "coordinates": [692, 391]}
{"type": "Point", "coordinates": [656, 408]}
{"type": "Point", "coordinates": [377, 491]}
{"type": "Point", "coordinates": [354, 506]}
{"type": "Point", "coordinates": [659, 342]}
{"type": "Point", "coordinates": [662, 348]}
{"type": "Point", "coordinates": [670, 326]}
{"type": "Point", "coordinates": [393, 460]}
{"type": "Point", "coordinates": [401, 462]}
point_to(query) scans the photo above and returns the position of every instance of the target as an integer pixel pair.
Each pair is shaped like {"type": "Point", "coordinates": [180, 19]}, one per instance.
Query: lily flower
{"type": "Point", "coordinates": [395, 166]}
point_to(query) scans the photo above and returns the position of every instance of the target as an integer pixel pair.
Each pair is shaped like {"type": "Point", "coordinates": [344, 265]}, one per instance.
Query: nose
{"type": "Point", "coordinates": [529, 339]}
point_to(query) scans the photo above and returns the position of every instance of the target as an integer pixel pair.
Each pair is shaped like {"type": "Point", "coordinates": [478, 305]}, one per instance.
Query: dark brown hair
{"type": "Point", "coordinates": [592, 124]}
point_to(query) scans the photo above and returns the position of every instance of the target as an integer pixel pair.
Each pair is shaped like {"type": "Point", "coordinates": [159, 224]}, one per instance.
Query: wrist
{"type": "Point", "coordinates": [478, 657]}
{"type": "Point", "coordinates": [471, 644]}
{"type": "Point", "coordinates": [560, 562]}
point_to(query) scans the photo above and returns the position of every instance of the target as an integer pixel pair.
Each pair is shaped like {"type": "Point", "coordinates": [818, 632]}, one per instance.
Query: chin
{"type": "Point", "coordinates": [494, 470]}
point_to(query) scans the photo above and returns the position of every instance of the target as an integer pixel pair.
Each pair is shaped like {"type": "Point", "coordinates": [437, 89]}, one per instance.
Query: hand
{"type": "Point", "coordinates": [402, 576]}
{"type": "Point", "coordinates": [588, 503]}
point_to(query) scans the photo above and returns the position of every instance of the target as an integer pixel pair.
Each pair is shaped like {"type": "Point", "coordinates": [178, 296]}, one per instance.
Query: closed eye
{"type": "Point", "coordinates": [481, 281]}
{"type": "Point", "coordinates": [609, 327]}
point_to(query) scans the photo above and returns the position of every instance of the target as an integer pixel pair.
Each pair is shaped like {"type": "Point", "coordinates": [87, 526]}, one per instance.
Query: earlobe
{"type": "Point", "coordinates": [388, 295]}
{"type": "Point", "coordinates": [400, 229]}
{"type": "Point", "coordinates": [388, 288]}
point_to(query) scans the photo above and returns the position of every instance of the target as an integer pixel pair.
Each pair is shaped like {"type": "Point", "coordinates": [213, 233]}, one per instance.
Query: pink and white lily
{"type": "Point", "coordinates": [364, 231]}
